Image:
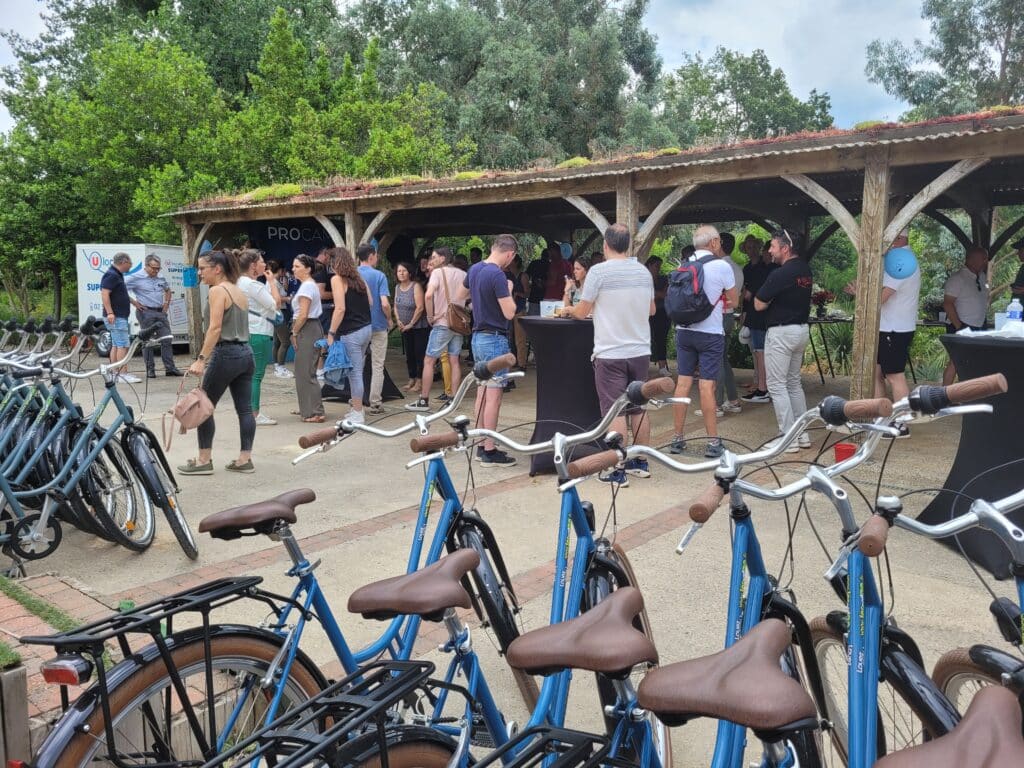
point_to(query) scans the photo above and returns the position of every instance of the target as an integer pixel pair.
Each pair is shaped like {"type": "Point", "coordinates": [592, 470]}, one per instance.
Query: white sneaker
{"type": "Point", "coordinates": [265, 421]}
{"type": "Point", "coordinates": [718, 412]}
{"type": "Point", "coordinates": [355, 417]}
{"type": "Point", "coordinates": [791, 448]}
{"type": "Point", "coordinates": [283, 373]}
{"type": "Point", "coordinates": [320, 374]}
{"type": "Point", "coordinates": [130, 378]}
{"type": "Point", "coordinates": [804, 440]}
{"type": "Point", "coordinates": [730, 407]}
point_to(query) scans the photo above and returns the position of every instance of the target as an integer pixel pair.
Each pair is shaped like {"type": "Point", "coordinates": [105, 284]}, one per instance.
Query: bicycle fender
{"type": "Point", "coordinates": [996, 662]}
{"type": "Point", "coordinates": [917, 688]}
{"type": "Point", "coordinates": [82, 709]}
{"type": "Point", "coordinates": [154, 444]}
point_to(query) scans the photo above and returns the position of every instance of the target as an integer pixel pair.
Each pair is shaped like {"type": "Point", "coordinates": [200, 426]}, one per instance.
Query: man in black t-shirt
{"type": "Point", "coordinates": [785, 298]}
{"type": "Point", "coordinates": [754, 274]}
{"type": "Point", "coordinates": [322, 277]}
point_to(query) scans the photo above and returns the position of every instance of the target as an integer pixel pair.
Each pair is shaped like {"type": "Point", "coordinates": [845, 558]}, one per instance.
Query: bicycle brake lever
{"type": "Point", "coordinates": [955, 410]}
{"type": "Point", "coordinates": [688, 536]}
{"type": "Point", "coordinates": [424, 458]}
{"type": "Point", "coordinates": [885, 429]}
{"type": "Point", "coordinates": [839, 566]}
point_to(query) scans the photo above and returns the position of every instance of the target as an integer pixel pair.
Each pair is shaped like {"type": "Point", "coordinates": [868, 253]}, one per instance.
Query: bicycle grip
{"type": "Point", "coordinates": [319, 437]}
{"type": "Point", "coordinates": [705, 505]}
{"type": "Point", "coordinates": [596, 462]}
{"type": "Point", "coordinates": [502, 361]}
{"type": "Point", "coordinates": [867, 410]}
{"type": "Point", "coordinates": [430, 443]}
{"type": "Point", "coordinates": [975, 389]}
{"type": "Point", "coordinates": [873, 535]}
{"type": "Point", "coordinates": [663, 386]}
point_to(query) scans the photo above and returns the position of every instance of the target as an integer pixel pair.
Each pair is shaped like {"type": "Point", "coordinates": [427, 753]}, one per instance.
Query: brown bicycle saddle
{"type": "Point", "coordinates": [428, 592]}
{"type": "Point", "coordinates": [260, 516]}
{"type": "Point", "coordinates": [602, 639]}
{"type": "Point", "coordinates": [743, 684]}
{"type": "Point", "coordinates": [989, 736]}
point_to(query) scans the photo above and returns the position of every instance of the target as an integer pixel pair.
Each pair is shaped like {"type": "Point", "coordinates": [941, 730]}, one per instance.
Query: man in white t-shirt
{"type": "Point", "coordinates": [619, 292]}
{"type": "Point", "coordinates": [700, 347]}
{"type": "Point", "coordinates": [966, 299]}
{"type": "Point", "coordinates": [901, 291]}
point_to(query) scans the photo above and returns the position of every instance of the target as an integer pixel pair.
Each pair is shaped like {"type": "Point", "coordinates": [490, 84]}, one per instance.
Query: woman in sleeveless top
{"type": "Point", "coordinates": [225, 361]}
{"type": "Point", "coordinates": [411, 318]}
{"type": "Point", "coordinates": [350, 322]}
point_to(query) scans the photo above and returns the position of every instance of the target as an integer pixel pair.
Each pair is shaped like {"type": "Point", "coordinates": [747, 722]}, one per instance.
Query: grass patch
{"type": "Point", "coordinates": [51, 614]}
{"type": "Point", "coordinates": [668, 151]}
{"type": "Point", "coordinates": [8, 656]}
{"type": "Point", "coordinates": [865, 125]}
{"type": "Point", "coordinates": [468, 175]}
{"type": "Point", "coordinates": [574, 162]}
{"type": "Point", "coordinates": [274, 191]}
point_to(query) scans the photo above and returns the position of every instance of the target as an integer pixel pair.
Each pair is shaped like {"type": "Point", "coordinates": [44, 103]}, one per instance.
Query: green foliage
{"type": "Point", "coordinates": [732, 97]}
{"type": "Point", "coordinates": [975, 57]}
{"type": "Point", "coordinates": [866, 125]}
{"type": "Point", "coordinates": [467, 175]}
{"type": "Point", "coordinates": [274, 191]}
{"type": "Point", "coordinates": [8, 656]}
{"type": "Point", "coordinates": [51, 614]}
{"type": "Point", "coordinates": [574, 162]}
{"type": "Point", "coordinates": [668, 151]}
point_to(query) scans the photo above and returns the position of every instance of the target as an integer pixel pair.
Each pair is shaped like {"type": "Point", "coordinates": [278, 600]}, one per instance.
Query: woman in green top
{"type": "Point", "coordinates": [225, 361]}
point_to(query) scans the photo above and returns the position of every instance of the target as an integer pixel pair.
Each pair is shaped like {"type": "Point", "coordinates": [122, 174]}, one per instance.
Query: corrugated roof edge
{"type": "Point", "coordinates": [877, 135]}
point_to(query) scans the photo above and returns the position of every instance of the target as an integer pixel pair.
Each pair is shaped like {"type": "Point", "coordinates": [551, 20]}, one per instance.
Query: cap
{"type": "Point", "coordinates": [1017, 244]}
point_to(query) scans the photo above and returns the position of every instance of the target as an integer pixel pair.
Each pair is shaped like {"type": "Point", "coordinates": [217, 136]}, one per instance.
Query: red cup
{"type": "Point", "coordinates": [843, 451]}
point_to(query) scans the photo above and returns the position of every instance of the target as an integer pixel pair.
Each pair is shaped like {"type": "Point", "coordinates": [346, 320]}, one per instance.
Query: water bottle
{"type": "Point", "coordinates": [1015, 311]}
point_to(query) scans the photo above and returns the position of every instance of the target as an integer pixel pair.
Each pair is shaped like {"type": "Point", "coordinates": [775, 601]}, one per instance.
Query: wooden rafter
{"type": "Point", "coordinates": [1005, 235]}
{"type": "Point", "coordinates": [819, 241]}
{"type": "Point", "coordinates": [331, 230]}
{"type": "Point", "coordinates": [661, 210]}
{"type": "Point", "coordinates": [588, 210]}
{"type": "Point", "coordinates": [940, 184]}
{"type": "Point", "coordinates": [952, 226]}
{"type": "Point", "coordinates": [373, 226]}
{"type": "Point", "coordinates": [828, 201]}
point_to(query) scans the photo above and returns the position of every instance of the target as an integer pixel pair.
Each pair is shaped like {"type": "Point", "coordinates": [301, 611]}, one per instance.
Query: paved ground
{"type": "Point", "coordinates": [360, 527]}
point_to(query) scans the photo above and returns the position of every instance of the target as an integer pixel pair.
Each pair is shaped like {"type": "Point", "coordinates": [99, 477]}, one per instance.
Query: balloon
{"type": "Point", "coordinates": [900, 263]}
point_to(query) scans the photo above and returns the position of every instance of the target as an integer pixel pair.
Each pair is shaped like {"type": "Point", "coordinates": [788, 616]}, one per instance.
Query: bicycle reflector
{"type": "Point", "coordinates": [66, 669]}
{"type": "Point", "coordinates": [17, 764]}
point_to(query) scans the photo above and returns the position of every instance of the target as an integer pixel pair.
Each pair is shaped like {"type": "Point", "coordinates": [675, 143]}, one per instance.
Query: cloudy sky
{"type": "Point", "coordinates": [818, 44]}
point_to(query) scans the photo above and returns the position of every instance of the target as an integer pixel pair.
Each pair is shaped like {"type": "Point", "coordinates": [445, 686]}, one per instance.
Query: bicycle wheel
{"type": "Point", "coordinates": [119, 500]}
{"type": "Point", "coordinates": [601, 582]}
{"type": "Point", "coordinates": [899, 726]}
{"type": "Point", "coordinates": [411, 746]}
{"type": "Point", "coordinates": [496, 606]}
{"type": "Point", "coordinates": [148, 724]}
{"type": "Point", "coordinates": [161, 490]}
{"type": "Point", "coordinates": [959, 678]}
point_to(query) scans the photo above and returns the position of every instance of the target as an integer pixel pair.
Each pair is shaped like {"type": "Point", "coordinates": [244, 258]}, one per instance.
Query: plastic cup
{"type": "Point", "coordinates": [843, 451]}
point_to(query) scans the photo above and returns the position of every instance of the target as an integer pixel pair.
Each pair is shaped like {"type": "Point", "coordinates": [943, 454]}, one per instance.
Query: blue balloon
{"type": "Point", "coordinates": [566, 249]}
{"type": "Point", "coordinates": [900, 263]}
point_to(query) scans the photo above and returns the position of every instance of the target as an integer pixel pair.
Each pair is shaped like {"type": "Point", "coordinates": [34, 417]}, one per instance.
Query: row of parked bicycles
{"type": "Point", "coordinates": [194, 689]}
{"type": "Point", "coordinates": [101, 471]}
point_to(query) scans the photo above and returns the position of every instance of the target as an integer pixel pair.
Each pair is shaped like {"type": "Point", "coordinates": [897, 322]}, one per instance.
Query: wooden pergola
{"type": "Point", "coordinates": [872, 183]}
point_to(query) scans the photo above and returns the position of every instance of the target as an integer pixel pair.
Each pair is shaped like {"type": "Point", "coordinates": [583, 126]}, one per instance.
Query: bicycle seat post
{"type": "Point", "coordinates": [458, 634]}
{"type": "Point", "coordinates": [301, 565]}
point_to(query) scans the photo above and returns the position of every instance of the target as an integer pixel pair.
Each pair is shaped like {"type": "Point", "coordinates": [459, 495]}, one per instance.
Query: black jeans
{"type": "Point", "coordinates": [231, 366]}
{"type": "Point", "coordinates": [415, 343]}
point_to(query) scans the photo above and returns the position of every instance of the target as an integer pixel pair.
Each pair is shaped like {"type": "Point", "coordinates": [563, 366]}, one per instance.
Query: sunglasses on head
{"type": "Point", "coordinates": [783, 236]}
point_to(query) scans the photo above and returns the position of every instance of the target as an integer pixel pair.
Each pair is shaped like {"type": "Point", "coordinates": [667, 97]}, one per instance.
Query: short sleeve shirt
{"type": "Point", "coordinates": [718, 278]}
{"type": "Point", "coordinates": [322, 276]}
{"type": "Point", "coordinates": [487, 283]}
{"type": "Point", "coordinates": [113, 281]}
{"type": "Point", "coordinates": [788, 293]}
{"type": "Point", "coordinates": [621, 291]}
{"type": "Point", "coordinates": [149, 291]}
{"type": "Point", "coordinates": [899, 313]}
{"type": "Point", "coordinates": [754, 276]}
{"type": "Point", "coordinates": [377, 284]}
{"type": "Point", "coordinates": [454, 278]}
{"type": "Point", "coordinates": [970, 292]}
{"type": "Point", "coordinates": [308, 288]}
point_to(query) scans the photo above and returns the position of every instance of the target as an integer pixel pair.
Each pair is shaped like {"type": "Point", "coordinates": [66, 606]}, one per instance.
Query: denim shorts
{"type": "Point", "coordinates": [443, 338]}
{"type": "Point", "coordinates": [487, 346]}
{"type": "Point", "coordinates": [119, 332]}
{"type": "Point", "coordinates": [697, 351]}
{"type": "Point", "coordinates": [757, 336]}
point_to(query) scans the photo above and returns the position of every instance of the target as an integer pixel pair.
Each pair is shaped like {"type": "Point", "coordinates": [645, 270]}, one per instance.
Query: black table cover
{"type": "Point", "coordinates": [388, 392]}
{"type": "Point", "coordinates": [566, 396]}
{"type": "Point", "coordinates": [986, 441]}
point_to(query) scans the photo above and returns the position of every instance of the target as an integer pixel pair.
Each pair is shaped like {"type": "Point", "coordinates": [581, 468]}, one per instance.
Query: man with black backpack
{"type": "Point", "coordinates": [697, 293]}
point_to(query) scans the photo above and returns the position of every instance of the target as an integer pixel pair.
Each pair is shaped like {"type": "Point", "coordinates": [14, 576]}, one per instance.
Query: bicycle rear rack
{"type": "Point", "coordinates": [321, 727]}
{"type": "Point", "coordinates": [554, 748]}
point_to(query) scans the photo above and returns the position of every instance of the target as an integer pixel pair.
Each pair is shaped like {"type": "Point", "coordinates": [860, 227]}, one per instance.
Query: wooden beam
{"type": "Point", "coordinates": [374, 225]}
{"type": "Point", "coordinates": [952, 226]}
{"type": "Point", "coordinates": [193, 300]}
{"type": "Point", "coordinates": [328, 225]}
{"type": "Point", "coordinates": [1005, 235]}
{"type": "Point", "coordinates": [828, 201]}
{"type": "Point", "coordinates": [819, 241]}
{"type": "Point", "coordinates": [870, 247]}
{"type": "Point", "coordinates": [588, 210]}
{"type": "Point", "coordinates": [653, 223]}
{"type": "Point", "coordinates": [627, 209]}
{"type": "Point", "coordinates": [917, 203]}
{"type": "Point", "coordinates": [590, 239]}
{"type": "Point", "coordinates": [190, 258]}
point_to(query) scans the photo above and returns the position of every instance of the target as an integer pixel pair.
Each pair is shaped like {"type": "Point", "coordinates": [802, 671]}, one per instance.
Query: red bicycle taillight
{"type": "Point", "coordinates": [66, 669]}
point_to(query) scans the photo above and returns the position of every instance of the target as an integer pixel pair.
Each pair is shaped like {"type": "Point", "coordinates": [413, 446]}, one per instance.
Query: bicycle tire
{"type": "Point", "coordinates": [161, 489]}
{"type": "Point", "coordinates": [499, 614]}
{"type": "Point", "coordinates": [899, 726]}
{"type": "Point", "coordinates": [960, 678]}
{"type": "Point", "coordinates": [411, 746]}
{"type": "Point", "coordinates": [119, 499]}
{"type": "Point", "coordinates": [599, 585]}
{"type": "Point", "coordinates": [234, 654]}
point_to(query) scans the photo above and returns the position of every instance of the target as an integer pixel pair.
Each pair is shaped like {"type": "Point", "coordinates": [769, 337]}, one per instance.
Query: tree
{"type": "Point", "coordinates": [731, 97]}
{"type": "Point", "coordinates": [975, 59]}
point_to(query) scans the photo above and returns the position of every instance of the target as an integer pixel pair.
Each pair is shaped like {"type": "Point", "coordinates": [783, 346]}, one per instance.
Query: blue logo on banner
{"type": "Point", "coordinates": [190, 277]}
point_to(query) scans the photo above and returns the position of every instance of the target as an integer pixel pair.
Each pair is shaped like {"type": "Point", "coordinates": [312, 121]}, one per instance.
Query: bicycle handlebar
{"type": "Point", "coordinates": [837, 411]}
{"type": "Point", "coordinates": [432, 443]}
{"type": "Point", "coordinates": [704, 506]}
{"type": "Point", "coordinates": [932, 399]}
{"type": "Point", "coordinates": [319, 437]}
{"type": "Point", "coordinates": [496, 364]}
{"type": "Point", "coordinates": [873, 535]}
{"type": "Point", "coordinates": [595, 462]}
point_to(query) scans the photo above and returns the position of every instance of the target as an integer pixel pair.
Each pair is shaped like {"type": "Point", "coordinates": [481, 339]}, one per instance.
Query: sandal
{"type": "Point", "coordinates": [296, 413]}
{"type": "Point", "coordinates": [314, 420]}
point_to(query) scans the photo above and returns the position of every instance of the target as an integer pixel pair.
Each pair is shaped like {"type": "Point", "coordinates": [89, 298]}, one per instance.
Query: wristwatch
{"type": "Point", "coordinates": [201, 357]}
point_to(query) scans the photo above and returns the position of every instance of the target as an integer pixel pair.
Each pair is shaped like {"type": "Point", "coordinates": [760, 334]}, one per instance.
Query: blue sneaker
{"type": "Point", "coordinates": [637, 468]}
{"type": "Point", "coordinates": [616, 477]}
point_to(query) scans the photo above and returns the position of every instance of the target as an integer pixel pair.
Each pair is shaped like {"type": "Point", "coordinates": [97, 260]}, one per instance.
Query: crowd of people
{"type": "Point", "coordinates": [335, 302]}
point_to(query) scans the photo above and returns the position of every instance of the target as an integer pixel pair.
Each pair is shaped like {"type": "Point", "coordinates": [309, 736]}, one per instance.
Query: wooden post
{"type": "Point", "coordinates": [627, 208]}
{"type": "Point", "coordinates": [353, 229]}
{"type": "Point", "coordinates": [14, 732]}
{"type": "Point", "coordinates": [193, 300]}
{"type": "Point", "coordinates": [870, 247]}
